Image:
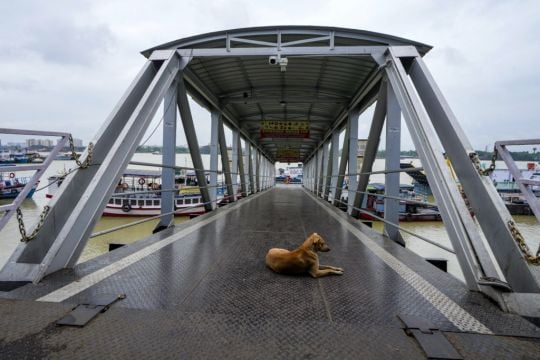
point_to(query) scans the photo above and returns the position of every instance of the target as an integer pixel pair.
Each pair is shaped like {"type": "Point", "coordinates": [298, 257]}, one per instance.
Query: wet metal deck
{"type": "Point", "coordinates": [202, 290]}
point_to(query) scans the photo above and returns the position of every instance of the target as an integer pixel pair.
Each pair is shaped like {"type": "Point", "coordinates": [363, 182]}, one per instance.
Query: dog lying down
{"type": "Point", "coordinates": [302, 260]}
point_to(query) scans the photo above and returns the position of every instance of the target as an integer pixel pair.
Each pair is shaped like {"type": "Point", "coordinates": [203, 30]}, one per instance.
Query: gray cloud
{"type": "Point", "coordinates": [64, 64]}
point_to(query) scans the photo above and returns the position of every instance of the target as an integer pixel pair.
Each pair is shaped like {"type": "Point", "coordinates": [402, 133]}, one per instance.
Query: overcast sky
{"type": "Point", "coordinates": [65, 64]}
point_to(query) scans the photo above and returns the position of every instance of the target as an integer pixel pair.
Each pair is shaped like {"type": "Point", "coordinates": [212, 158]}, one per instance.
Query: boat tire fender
{"type": "Point", "coordinates": [11, 175]}
{"type": "Point", "coordinates": [141, 181]}
{"type": "Point", "coordinates": [126, 208]}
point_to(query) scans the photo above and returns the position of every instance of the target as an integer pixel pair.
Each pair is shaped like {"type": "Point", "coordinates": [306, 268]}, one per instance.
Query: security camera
{"type": "Point", "coordinates": [273, 60]}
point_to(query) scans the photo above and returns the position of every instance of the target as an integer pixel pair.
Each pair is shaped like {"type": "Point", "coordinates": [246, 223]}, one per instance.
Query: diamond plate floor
{"type": "Point", "coordinates": [208, 294]}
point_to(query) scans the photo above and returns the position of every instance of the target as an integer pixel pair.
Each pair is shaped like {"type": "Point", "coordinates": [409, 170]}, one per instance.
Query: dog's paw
{"type": "Point", "coordinates": [338, 272]}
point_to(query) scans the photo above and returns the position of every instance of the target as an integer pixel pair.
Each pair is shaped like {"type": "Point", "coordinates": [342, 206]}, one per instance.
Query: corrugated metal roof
{"type": "Point", "coordinates": [314, 88]}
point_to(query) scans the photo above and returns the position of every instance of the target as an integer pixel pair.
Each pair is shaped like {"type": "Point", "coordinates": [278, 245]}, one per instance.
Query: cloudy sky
{"type": "Point", "coordinates": [65, 64]}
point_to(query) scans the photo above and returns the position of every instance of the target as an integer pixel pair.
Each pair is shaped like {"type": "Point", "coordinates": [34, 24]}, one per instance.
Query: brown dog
{"type": "Point", "coordinates": [302, 260]}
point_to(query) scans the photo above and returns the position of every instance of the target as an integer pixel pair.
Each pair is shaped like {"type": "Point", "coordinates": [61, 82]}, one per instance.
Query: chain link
{"type": "Point", "coordinates": [516, 234]}
{"type": "Point", "coordinates": [22, 229]}
{"type": "Point", "coordinates": [478, 166]}
{"type": "Point", "coordinates": [75, 156]}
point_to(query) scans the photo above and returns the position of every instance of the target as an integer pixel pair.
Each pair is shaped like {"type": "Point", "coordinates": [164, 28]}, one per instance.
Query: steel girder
{"type": "Point", "coordinates": [393, 149]}
{"type": "Point", "coordinates": [457, 219]}
{"type": "Point", "coordinates": [371, 147]}
{"type": "Point", "coordinates": [168, 158]}
{"type": "Point", "coordinates": [225, 162]}
{"type": "Point", "coordinates": [492, 214]}
{"type": "Point", "coordinates": [83, 195]}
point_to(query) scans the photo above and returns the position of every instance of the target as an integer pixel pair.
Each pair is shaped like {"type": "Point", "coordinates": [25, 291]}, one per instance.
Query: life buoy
{"type": "Point", "coordinates": [12, 175]}
{"type": "Point", "coordinates": [126, 208]}
{"type": "Point", "coordinates": [141, 181]}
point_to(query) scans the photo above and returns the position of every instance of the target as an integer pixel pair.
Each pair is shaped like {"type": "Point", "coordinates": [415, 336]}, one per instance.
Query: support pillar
{"type": "Point", "coordinates": [193, 143]}
{"type": "Point", "coordinates": [225, 161]}
{"type": "Point", "coordinates": [250, 168]}
{"type": "Point", "coordinates": [353, 153]}
{"type": "Point", "coordinates": [168, 159]}
{"type": "Point", "coordinates": [333, 169]}
{"type": "Point", "coordinates": [393, 149]}
{"type": "Point", "coordinates": [371, 148]}
{"type": "Point", "coordinates": [214, 130]}
{"type": "Point", "coordinates": [342, 168]}
{"type": "Point", "coordinates": [235, 160]}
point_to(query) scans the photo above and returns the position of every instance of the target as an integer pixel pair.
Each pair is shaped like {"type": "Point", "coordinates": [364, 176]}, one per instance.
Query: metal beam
{"type": "Point", "coordinates": [354, 115]}
{"type": "Point", "coordinates": [241, 168]}
{"type": "Point", "coordinates": [486, 203]}
{"type": "Point", "coordinates": [342, 168]}
{"type": "Point", "coordinates": [371, 148]}
{"type": "Point", "coordinates": [168, 158]}
{"type": "Point", "coordinates": [393, 149]}
{"type": "Point", "coordinates": [250, 168]}
{"type": "Point", "coordinates": [225, 162]}
{"type": "Point", "coordinates": [449, 201]}
{"type": "Point", "coordinates": [83, 195]}
{"type": "Point", "coordinates": [285, 51]}
{"type": "Point", "coordinates": [236, 156]}
{"type": "Point", "coordinates": [333, 169]}
{"type": "Point", "coordinates": [214, 130]}
{"type": "Point", "coordinates": [193, 143]}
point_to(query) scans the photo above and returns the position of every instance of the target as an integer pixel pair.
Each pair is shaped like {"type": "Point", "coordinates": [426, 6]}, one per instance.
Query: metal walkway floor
{"type": "Point", "coordinates": [202, 290]}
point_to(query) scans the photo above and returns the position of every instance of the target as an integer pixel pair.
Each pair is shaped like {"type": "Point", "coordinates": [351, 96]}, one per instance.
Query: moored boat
{"type": "Point", "coordinates": [138, 193]}
{"type": "Point", "coordinates": [11, 185]}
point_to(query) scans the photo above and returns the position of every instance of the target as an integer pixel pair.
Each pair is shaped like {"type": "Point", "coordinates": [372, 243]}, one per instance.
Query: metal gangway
{"type": "Point", "coordinates": [287, 93]}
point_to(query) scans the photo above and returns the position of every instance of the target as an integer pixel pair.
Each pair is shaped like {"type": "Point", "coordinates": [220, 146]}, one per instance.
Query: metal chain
{"type": "Point", "coordinates": [22, 229]}
{"type": "Point", "coordinates": [478, 166]}
{"type": "Point", "coordinates": [75, 156]}
{"type": "Point", "coordinates": [516, 234]}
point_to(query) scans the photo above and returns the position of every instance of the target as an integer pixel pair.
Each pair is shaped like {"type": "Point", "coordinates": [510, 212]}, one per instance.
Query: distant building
{"type": "Point", "coordinates": [76, 142]}
{"type": "Point", "coordinates": [39, 142]}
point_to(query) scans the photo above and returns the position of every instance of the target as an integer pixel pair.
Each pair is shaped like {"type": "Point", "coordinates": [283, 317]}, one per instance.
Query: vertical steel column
{"type": "Point", "coordinates": [393, 148]}
{"type": "Point", "coordinates": [169, 158]}
{"type": "Point", "coordinates": [250, 168]}
{"type": "Point", "coordinates": [235, 160]}
{"type": "Point", "coordinates": [257, 170]}
{"type": "Point", "coordinates": [354, 116]}
{"type": "Point", "coordinates": [316, 160]}
{"type": "Point", "coordinates": [333, 169]}
{"type": "Point", "coordinates": [214, 130]}
{"type": "Point", "coordinates": [456, 216]}
{"type": "Point", "coordinates": [225, 161]}
{"type": "Point", "coordinates": [342, 168]}
{"type": "Point", "coordinates": [371, 147]}
{"type": "Point", "coordinates": [492, 214]}
{"type": "Point", "coordinates": [193, 143]}
{"type": "Point", "coordinates": [322, 183]}
{"type": "Point", "coordinates": [241, 170]}
{"type": "Point", "coordinates": [329, 167]}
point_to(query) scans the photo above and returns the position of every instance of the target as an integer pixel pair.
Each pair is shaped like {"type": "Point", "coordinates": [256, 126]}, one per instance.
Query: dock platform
{"type": "Point", "coordinates": [202, 290]}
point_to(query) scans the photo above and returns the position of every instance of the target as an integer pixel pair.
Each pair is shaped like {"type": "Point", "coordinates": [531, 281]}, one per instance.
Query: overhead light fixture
{"type": "Point", "coordinates": [283, 103]}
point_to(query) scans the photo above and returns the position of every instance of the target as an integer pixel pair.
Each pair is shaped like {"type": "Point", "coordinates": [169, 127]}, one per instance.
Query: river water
{"type": "Point", "coordinates": [434, 230]}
